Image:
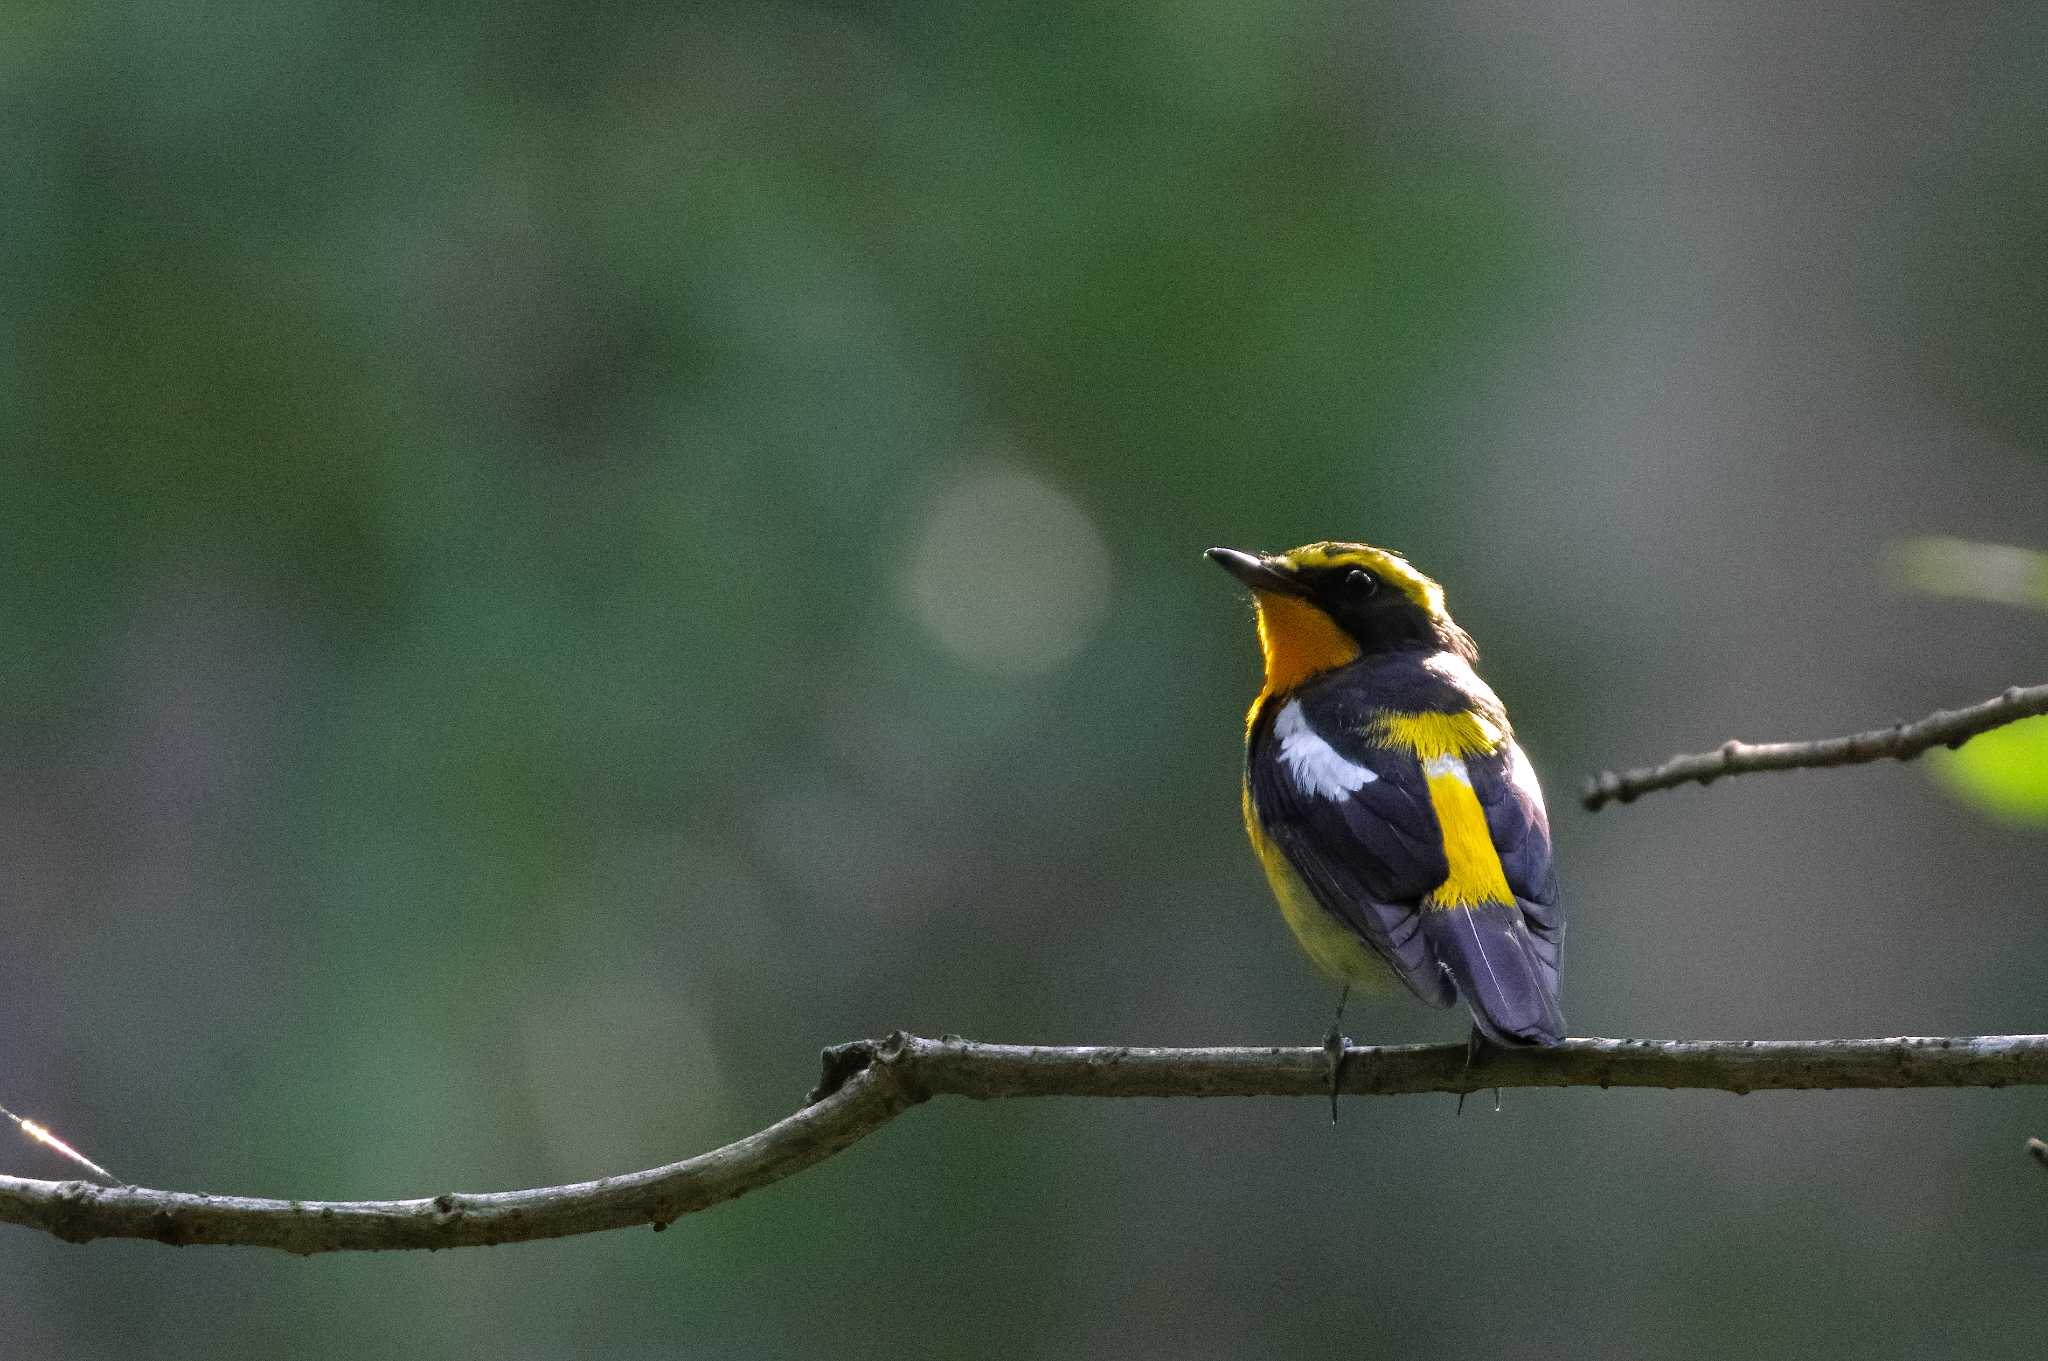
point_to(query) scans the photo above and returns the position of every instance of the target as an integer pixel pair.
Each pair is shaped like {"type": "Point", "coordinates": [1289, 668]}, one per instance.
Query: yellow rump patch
{"type": "Point", "coordinates": [1476, 876]}
{"type": "Point", "coordinates": [1432, 736]}
{"type": "Point", "coordinates": [1298, 641]}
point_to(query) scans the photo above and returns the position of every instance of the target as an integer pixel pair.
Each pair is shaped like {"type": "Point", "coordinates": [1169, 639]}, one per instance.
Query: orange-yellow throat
{"type": "Point", "coordinates": [1298, 641]}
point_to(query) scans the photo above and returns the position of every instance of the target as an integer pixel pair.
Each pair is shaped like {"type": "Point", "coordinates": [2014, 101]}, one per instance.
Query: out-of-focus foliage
{"type": "Point", "coordinates": [1975, 571]}
{"type": "Point", "coordinates": [2004, 771]}
{"type": "Point", "coordinates": [554, 561]}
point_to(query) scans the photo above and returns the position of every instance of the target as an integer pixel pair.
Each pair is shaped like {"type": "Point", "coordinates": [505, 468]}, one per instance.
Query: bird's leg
{"type": "Point", "coordinates": [1333, 1047]}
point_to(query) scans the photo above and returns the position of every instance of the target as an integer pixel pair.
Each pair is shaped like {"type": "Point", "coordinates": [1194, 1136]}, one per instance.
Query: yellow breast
{"type": "Point", "coordinates": [1334, 947]}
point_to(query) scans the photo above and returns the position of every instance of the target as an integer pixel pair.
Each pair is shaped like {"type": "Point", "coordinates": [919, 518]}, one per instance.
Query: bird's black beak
{"type": "Point", "coordinates": [1255, 571]}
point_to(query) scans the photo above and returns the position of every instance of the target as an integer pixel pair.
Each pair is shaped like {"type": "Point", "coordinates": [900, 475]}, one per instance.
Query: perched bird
{"type": "Point", "coordinates": [1397, 820]}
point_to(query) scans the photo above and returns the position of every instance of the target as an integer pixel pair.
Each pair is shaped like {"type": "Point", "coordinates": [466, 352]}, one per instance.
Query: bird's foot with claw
{"type": "Point", "coordinates": [1334, 1045]}
{"type": "Point", "coordinates": [1475, 1054]}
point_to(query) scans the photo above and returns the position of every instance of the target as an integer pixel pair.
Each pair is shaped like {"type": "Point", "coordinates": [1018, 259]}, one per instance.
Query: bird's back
{"type": "Point", "coordinates": [1393, 790]}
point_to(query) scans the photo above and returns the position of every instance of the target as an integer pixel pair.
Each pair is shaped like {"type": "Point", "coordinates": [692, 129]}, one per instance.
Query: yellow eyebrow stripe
{"type": "Point", "coordinates": [1475, 872]}
{"type": "Point", "coordinates": [1431, 736]}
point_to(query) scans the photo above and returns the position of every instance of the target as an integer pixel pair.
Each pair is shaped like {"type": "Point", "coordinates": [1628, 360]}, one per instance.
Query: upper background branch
{"type": "Point", "coordinates": [1901, 742]}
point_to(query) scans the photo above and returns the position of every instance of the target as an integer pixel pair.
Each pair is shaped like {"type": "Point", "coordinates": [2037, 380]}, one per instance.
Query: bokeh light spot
{"type": "Point", "coordinates": [1008, 573]}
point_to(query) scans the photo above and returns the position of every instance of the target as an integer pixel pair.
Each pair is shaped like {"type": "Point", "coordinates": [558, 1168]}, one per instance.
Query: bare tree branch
{"type": "Point", "coordinates": [870, 1082]}
{"type": "Point", "coordinates": [1900, 742]}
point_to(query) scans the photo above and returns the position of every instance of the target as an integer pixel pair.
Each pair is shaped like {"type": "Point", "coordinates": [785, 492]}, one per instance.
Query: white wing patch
{"type": "Point", "coordinates": [1315, 764]}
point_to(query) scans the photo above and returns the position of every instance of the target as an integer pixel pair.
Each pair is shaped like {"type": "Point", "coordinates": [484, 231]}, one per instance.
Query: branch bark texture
{"type": "Point", "coordinates": [868, 1083]}
{"type": "Point", "coordinates": [1900, 742]}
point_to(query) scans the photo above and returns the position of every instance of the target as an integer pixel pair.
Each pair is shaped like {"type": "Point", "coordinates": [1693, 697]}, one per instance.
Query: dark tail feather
{"type": "Point", "coordinates": [1490, 954]}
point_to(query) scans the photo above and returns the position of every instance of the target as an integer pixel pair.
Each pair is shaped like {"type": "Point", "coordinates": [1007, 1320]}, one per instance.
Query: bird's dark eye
{"type": "Point", "coordinates": [1357, 584]}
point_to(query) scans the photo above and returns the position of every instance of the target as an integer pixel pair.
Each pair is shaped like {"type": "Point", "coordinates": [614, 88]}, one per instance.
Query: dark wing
{"type": "Point", "coordinates": [1513, 801]}
{"type": "Point", "coordinates": [1369, 853]}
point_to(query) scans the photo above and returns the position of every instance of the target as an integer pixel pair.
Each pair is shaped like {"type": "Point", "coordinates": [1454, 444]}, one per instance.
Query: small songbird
{"type": "Point", "coordinates": [1397, 819]}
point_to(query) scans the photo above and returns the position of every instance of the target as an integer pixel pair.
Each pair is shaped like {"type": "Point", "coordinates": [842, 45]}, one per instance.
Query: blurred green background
{"type": "Point", "coordinates": [558, 560]}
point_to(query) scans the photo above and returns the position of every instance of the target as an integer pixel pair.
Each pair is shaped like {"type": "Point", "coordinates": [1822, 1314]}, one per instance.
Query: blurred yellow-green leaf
{"type": "Point", "coordinates": [1938, 565]}
{"type": "Point", "coordinates": [2004, 772]}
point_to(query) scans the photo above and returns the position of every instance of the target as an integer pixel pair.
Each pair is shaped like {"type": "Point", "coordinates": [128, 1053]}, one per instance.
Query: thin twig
{"type": "Point", "coordinates": [1900, 742]}
{"type": "Point", "coordinates": [868, 1083]}
{"type": "Point", "coordinates": [41, 1133]}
